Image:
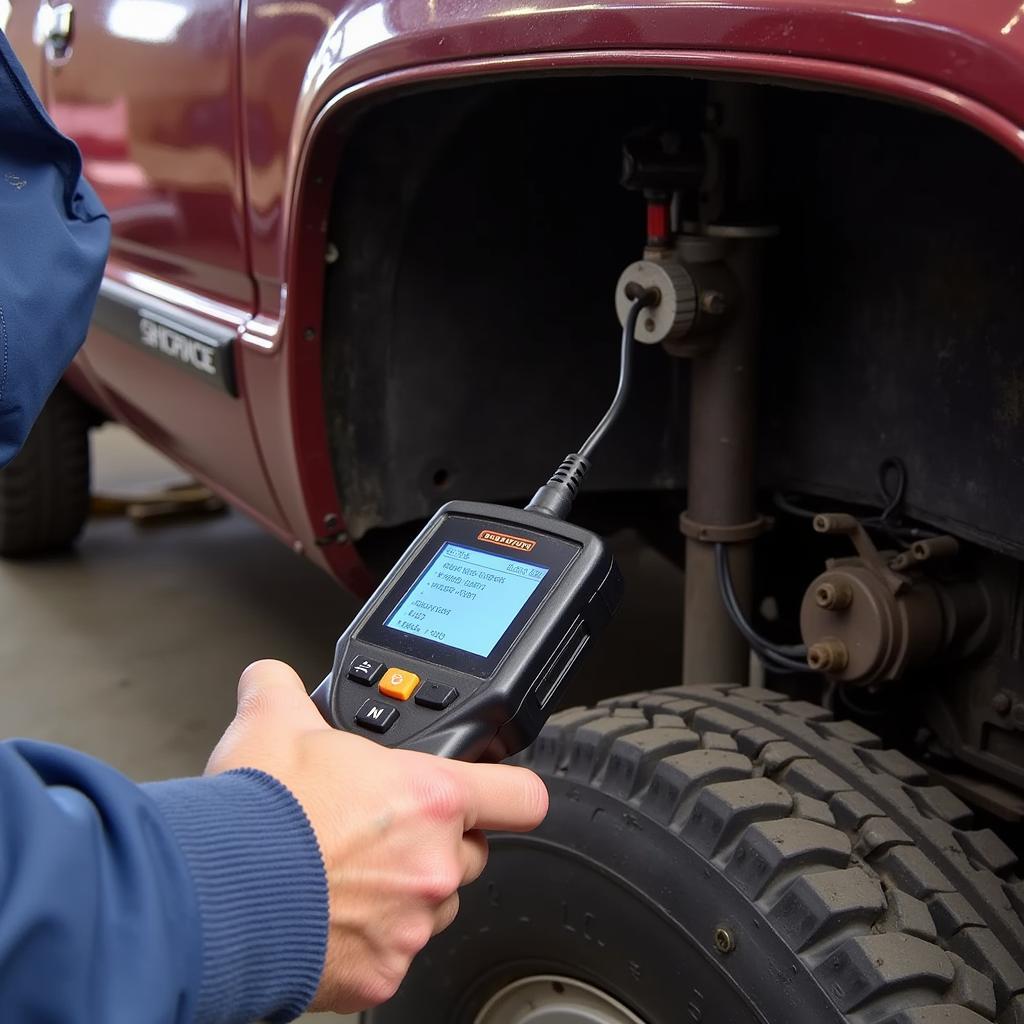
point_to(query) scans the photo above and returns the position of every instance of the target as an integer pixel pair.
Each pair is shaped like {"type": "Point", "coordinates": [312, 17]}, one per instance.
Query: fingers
{"type": "Point", "coordinates": [446, 913]}
{"type": "Point", "coordinates": [474, 856]}
{"type": "Point", "coordinates": [501, 796]}
{"type": "Point", "coordinates": [272, 690]}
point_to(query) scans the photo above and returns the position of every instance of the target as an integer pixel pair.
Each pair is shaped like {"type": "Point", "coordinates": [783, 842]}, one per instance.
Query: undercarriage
{"type": "Point", "coordinates": [823, 434]}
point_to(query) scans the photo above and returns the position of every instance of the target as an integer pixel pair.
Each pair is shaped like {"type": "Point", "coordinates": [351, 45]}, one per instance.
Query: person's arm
{"type": "Point", "coordinates": [207, 900]}
{"type": "Point", "coordinates": [201, 900]}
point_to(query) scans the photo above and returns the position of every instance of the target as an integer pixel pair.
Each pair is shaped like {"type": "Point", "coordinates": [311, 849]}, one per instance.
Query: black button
{"type": "Point", "coordinates": [365, 670]}
{"type": "Point", "coordinates": [436, 696]}
{"type": "Point", "coordinates": [377, 716]}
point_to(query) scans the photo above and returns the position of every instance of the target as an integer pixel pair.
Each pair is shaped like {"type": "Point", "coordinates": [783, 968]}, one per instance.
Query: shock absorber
{"type": "Point", "coordinates": [707, 272]}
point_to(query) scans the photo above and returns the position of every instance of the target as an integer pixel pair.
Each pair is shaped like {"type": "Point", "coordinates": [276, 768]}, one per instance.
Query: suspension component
{"type": "Point", "coordinates": [871, 618]}
{"type": "Point", "coordinates": [703, 255]}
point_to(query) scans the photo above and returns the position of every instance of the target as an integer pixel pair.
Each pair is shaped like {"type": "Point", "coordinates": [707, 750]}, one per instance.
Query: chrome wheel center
{"type": "Point", "coordinates": [550, 999]}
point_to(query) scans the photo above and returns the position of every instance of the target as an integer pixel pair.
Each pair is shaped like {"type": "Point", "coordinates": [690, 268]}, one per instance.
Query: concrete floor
{"type": "Point", "coordinates": [130, 647]}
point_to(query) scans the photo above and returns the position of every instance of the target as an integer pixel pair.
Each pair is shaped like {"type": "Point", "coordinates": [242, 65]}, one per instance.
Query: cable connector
{"type": "Point", "coordinates": [555, 498]}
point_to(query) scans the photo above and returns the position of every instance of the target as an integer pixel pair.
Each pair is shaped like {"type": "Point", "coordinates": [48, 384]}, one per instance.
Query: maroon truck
{"type": "Point", "coordinates": [366, 258]}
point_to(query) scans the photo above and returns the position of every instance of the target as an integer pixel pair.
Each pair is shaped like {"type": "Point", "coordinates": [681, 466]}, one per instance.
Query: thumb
{"type": "Point", "coordinates": [272, 692]}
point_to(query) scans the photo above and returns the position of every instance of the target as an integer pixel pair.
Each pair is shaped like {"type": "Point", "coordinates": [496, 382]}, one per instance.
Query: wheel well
{"type": "Point", "coordinates": [471, 341]}
{"type": "Point", "coordinates": [470, 335]}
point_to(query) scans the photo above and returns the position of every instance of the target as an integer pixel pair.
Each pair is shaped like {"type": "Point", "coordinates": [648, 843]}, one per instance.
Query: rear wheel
{"type": "Point", "coordinates": [44, 490]}
{"type": "Point", "coordinates": [728, 855]}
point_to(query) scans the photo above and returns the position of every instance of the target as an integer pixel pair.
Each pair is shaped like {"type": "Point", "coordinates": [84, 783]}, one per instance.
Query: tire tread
{"type": "Point", "coordinates": [872, 875]}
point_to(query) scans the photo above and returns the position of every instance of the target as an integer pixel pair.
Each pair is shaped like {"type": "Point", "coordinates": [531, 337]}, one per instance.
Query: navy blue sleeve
{"type": "Point", "coordinates": [198, 900]}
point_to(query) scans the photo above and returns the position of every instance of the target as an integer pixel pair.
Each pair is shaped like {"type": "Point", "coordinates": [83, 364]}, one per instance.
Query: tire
{"type": "Point", "coordinates": [727, 855]}
{"type": "Point", "coordinates": [44, 490]}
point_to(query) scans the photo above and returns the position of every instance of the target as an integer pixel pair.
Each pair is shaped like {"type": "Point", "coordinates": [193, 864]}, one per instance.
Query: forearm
{"type": "Point", "coordinates": [200, 900]}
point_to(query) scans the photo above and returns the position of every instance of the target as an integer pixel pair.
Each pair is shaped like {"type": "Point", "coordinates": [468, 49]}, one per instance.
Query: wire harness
{"type": "Point", "coordinates": [777, 657]}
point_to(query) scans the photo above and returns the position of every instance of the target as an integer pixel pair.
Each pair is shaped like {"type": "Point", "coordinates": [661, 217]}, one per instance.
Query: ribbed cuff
{"type": "Point", "coordinates": [261, 891]}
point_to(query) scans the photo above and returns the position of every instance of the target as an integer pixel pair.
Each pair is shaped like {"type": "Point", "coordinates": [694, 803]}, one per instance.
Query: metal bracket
{"type": "Point", "coordinates": [715, 533]}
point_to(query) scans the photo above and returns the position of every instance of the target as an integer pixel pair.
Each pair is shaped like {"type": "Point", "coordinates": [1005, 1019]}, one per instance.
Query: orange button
{"type": "Point", "coordinates": [399, 684]}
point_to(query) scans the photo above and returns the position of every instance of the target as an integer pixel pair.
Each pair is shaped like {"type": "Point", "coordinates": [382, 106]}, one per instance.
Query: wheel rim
{"type": "Point", "coordinates": [552, 999]}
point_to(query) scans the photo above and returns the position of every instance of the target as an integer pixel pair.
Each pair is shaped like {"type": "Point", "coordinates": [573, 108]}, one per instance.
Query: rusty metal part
{"type": "Point", "coordinates": [935, 547]}
{"type": "Point", "coordinates": [828, 655]}
{"type": "Point", "coordinates": [721, 480]}
{"type": "Point", "coordinates": [924, 551]}
{"type": "Point", "coordinates": [842, 523]}
{"type": "Point", "coordinates": [904, 560]}
{"type": "Point", "coordinates": [834, 595]}
{"type": "Point", "coordinates": [723, 387]}
{"type": "Point", "coordinates": [864, 623]}
{"type": "Point", "coordinates": [711, 533]}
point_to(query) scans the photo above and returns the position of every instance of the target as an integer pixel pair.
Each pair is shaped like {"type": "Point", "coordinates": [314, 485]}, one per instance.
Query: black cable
{"type": "Point", "coordinates": [893, 499]}
{"type": "Point", "coordinates": [774, 656]}
{"type": "Point", "coordinates": [646, 298]}
{"type": "Point", "coordinates": [732, 603]}
{"type": "Point", "coordinates": [890, 520]}
{"type": "Point", "coordinates": [555, 498]}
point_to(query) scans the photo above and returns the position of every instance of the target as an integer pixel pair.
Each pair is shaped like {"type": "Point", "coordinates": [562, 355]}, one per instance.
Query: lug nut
{"type": "Point", "coordinates": [833, 595]}
{"type": "Point", "coordinates": [724, 941]}
{"type": "Point", "coordinates": [828, 655]}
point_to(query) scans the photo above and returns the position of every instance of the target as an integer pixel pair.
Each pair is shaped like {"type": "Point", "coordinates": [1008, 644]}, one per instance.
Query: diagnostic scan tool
{"type": "Point", "coordinates": [466, 646]}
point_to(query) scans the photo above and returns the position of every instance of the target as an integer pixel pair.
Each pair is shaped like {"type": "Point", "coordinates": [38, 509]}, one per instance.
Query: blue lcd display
{"type": "Point", "coordinates": [466, 598]}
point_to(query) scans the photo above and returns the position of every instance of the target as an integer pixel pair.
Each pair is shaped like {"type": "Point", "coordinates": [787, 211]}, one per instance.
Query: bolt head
{"type": "Point", "coordinates": [1001, 703]}
{"type": "Point", "coordinates": [712, 302]}
{"type": "Point", "coordinates": [724, 941]}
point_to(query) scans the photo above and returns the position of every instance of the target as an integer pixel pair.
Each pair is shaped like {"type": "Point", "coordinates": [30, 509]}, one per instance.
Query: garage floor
{"type": "Point", "coordinates": [130, 647]}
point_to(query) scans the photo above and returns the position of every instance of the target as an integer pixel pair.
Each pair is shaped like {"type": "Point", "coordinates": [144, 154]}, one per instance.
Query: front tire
{"type": "Point", "coordinates": [44, 490]}
{"type": "Point", "coordinates": [727, 855]}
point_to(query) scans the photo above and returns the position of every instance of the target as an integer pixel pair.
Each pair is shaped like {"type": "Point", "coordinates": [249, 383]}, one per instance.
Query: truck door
{"type": "Point", "coordinates": [149, 90]}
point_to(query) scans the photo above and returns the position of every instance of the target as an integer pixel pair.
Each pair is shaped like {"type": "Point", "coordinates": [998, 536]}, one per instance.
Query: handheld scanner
{"type": "Point", "coordinates": [466, 646]}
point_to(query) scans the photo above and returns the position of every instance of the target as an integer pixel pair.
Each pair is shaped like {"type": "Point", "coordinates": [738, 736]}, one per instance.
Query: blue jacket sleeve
{"type": "Point", "coordinates": [197, 900]}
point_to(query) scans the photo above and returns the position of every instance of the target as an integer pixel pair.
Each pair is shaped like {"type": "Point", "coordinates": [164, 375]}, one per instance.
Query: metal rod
{"type": "Point", "coordinates": [720, 490]}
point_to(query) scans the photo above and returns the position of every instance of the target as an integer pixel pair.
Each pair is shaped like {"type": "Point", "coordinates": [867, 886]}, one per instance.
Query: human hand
{"type": "Point", "coordinates": [399, 831]}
